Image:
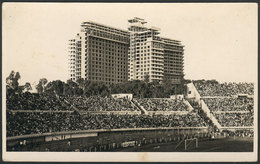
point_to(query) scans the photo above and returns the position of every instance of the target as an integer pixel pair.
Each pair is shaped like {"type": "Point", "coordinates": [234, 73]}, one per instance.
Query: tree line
{"type": "Point", "coordinates": [82, 87]}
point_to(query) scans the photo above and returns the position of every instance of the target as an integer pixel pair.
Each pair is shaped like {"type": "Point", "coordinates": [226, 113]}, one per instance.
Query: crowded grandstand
{"type": "Point", "coordinates": [30, 114]}
{"type": "Point", "coordinates": [231, 104]}
{"type": "Point", "coordinates": [216, 89]}
{"type": "Point", "coordinates": [162, 104]}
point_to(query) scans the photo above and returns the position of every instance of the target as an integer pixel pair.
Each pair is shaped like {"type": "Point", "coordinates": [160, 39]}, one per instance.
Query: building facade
{"type": "Point", "coordinates": [99, 53]}
{"type": "Point", "coordinates": [75, 58]}
{"type": "Point", "coordinates": [152, 57]}
{"type": "Point", "coordinates": [105, 54]}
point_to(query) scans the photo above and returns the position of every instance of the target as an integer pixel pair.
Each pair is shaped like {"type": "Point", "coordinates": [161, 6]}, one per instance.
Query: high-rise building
{"type": "Point", "coordinates": [99, 53]}
{"type": "Point", "coordinates": [152, 57]}
{"type": "Point", "coordinates": [75, 58]}
{"type": "Point", "coordinates": [111, 55]}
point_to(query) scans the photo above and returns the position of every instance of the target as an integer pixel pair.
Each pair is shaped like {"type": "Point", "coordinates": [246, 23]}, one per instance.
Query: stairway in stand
{"type": "Point", "coordinates": [201, 107]}
{"type": "Point", "coordinates": [139, 107]}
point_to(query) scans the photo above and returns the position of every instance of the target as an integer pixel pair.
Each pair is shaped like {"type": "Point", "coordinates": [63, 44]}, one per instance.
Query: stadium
{"type": "Point", "coordinates": [207, 117]}
{"type": "Point", "coordinates": [126, 91]}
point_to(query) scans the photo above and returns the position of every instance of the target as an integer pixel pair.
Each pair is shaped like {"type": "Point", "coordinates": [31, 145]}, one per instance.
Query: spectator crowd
{"type": "Point", "coordinates": [232, 111]}
{"type": "Point", "coordinates": [29, 101]}
{"type": "Point", "coordinates": [162, 104]}
{"type": "Point", "coordinates": [213, 88]}
{"type": "Point", "coordinates": [98, 103]}
{"type": "Point", "coordinates": [243, 133]}
{"type": "Point", "coordinates": [22, 123]}
{"type": "Point", "coordinates": [229, 104]}
{"type": "Point", "coordinates": [235, 119]}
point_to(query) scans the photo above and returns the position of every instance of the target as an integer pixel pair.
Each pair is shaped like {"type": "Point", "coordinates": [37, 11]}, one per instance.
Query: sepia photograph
{"type": "Point", "coordinates": [137, 82]}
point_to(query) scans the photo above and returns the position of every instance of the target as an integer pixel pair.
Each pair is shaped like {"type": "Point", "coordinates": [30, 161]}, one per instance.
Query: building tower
{"type": "Point", "coordinates": [99, 53]}
{"type": "Point", "coordinates": [151, 56]}
{"type": "Point", "coordinates": [75, 58]}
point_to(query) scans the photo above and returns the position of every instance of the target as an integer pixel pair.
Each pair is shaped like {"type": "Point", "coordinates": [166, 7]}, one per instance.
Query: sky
{"type": "Point", "coordinates": [220, 39]}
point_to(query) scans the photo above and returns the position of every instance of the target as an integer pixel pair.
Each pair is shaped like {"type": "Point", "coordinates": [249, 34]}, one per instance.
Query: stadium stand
{"type": "Point", "coordinates": [213, 88]}
{"type": "Point", "coordinates": [30, 114]}
{"type": "Point", "coordinates": [243, 133]}
{"type": "Point", "coordinates": [229, 104]}
{"type": "Point", "coordinates": [229, 109]}
{"type": "Point", "coordinates": [232, 112]}
{"type": "Point", "coordinates": [29, 101]}
{"type": "Point", "coordinates": [235, 119]}
{"type": "Point", "coordinates": [37, 122]}
{"type": "Point", "coordinates": [98, 103]}
{"type": "Point", "coordinates": [161, 104]}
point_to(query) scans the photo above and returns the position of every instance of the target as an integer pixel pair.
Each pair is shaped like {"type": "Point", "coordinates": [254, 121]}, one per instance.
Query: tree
{"type": "Point", "coordinates": [39, 88]}
{"type": "Point", "coordinates": [12, 80]}
{"type": "Point", "coordinates": [146, 78]}
{"type": "Point", "coordinates": [27, 87]}
{"type": "Point", "coordinates": [72, 86]}
{"type": "Point", "coordinates": [104, 90]}
{"type": "Point", "coordinates": [83, 84]}
{"type": "Point", "coordinates": [41, 85]}
{"type": "Point", "coordinates": [57, 87]}
{"type": "Point", "coordinates": [80, 82]}
{"type": "Point", "coordinates": [10, 77]}
{"type": "Point", "coordinates": [17, 76]}
{"type": "Point", "coordinates": [187, 81]}
{"type": "Point", "coordinates": [79, 91]}
{"type": "Point", "coordinates": [68, 90]}
{"type": "Point", "coordinates": [168, 87]}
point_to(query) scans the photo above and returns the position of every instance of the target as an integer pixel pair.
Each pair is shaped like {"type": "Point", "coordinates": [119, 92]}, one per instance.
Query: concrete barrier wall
{"type": "Point", "coordinates": [168, 112]}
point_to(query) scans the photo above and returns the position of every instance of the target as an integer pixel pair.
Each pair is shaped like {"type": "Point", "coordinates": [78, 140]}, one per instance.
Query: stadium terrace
{"type": "Point", "coordinates": [55, 116]}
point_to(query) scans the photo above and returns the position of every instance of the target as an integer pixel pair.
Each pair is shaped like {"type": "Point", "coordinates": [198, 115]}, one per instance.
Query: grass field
{"type": "Point", "coordinates": [216, 145]}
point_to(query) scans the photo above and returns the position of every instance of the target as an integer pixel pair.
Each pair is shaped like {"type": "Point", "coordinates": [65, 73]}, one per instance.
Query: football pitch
{"type": "Point", "coordinates": [216, 145]}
